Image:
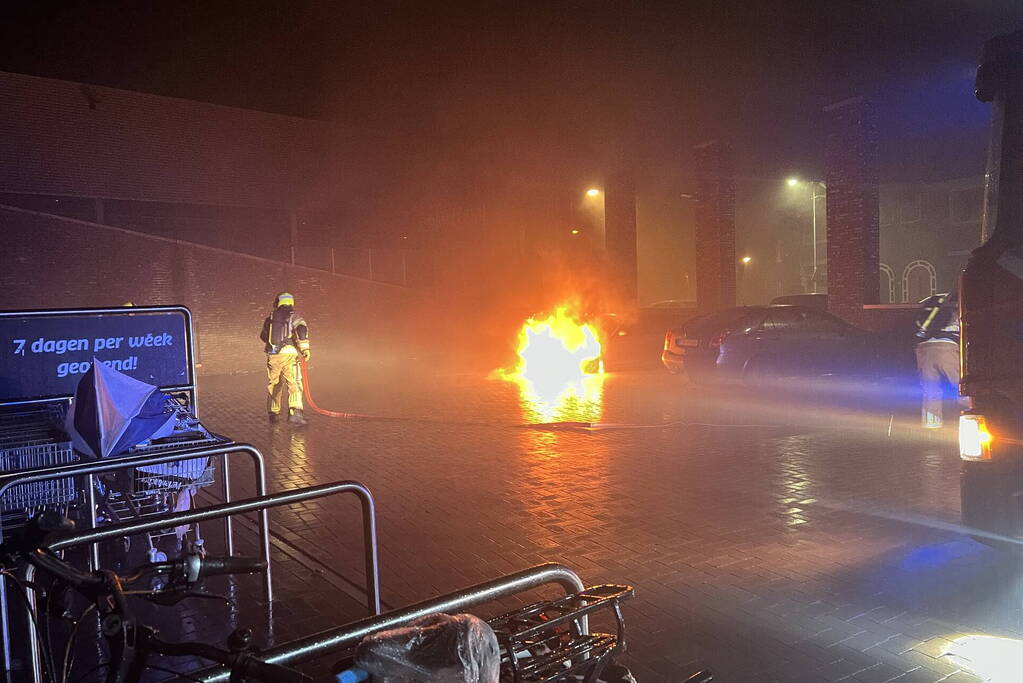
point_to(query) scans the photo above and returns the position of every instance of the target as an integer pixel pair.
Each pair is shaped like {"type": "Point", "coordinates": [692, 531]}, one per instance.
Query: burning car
{"type": "Point", "coordinates": [559, 366]}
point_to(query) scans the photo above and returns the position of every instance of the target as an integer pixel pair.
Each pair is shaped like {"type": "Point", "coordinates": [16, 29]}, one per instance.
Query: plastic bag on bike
{"type": "Point", "coordinates": [439, 648]}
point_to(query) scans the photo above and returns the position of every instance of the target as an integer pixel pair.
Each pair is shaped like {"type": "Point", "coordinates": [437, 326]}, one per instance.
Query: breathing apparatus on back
{"type": "Point", "coordinates": [284, 328]}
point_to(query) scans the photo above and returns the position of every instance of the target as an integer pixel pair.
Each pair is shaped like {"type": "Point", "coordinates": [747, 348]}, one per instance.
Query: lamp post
{"type": "Point", "coordinates": [814, 184]}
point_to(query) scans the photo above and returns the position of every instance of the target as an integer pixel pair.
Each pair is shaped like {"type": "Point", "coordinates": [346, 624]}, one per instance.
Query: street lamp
{"type": "Point", "coordinates": [746, 259]}
{"type": "Point", "coordinates": [592, 192]}
{"type": "Point", "coordinates": [814, 184]}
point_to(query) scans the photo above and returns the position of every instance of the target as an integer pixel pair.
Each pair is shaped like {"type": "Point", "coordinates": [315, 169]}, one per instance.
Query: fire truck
{"type": "Point", "coordinates": [991, 301]}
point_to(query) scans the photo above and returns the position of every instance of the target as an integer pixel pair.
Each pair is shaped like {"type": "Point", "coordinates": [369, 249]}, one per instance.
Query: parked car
{"type": "Point", "coordinates": [634, 341]}
{"type": "Point", "coordinates": [756, 342]}
{"type": "Point", "coordinates": [818, 300]}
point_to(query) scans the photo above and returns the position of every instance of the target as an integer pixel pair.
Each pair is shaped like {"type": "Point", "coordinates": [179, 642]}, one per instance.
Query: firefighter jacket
{"type": "Point", "coordinates": [283, 328]}
{"type": "Point", "coordinates": [942, 322]}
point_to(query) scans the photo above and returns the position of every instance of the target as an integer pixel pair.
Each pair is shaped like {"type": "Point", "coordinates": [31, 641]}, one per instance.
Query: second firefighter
{"type": "Point", "coordinates": [286, 336]}
{"type": "Point", "coordinates": [937, 357]}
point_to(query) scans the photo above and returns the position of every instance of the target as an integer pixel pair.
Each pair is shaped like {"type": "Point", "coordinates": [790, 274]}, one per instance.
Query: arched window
{"type": "Point", "coordinates": [919, 281]}
{"type": "Point", "coordinates": [887, 284]}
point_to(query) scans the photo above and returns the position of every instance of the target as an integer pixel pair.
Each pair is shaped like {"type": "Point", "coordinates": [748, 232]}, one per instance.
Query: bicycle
{"type": "Point", "coordinates": [554, 653]}
{"type": "Point", "coordinates": [131, 644]}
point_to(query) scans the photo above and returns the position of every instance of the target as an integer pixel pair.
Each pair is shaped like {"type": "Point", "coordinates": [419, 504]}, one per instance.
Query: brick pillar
{"type": "Point", "coordinates": [715, 226]}
{"type": "Point", "coordinates": [850, 155]}
{"type": "Point", "coordinates": [620, 230]}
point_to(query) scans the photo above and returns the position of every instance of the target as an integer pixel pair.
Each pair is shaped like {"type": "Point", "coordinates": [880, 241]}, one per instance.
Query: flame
{"type": "Point", "coordinates": [559, 370]}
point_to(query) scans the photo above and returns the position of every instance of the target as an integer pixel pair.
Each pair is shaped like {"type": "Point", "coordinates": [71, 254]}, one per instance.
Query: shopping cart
{"type": "Point", "coordinates": [166, 487]}
{"type": "Point", "coordinates": [31, 437]}
{"type": "Point", "coordinates": [34, 398]}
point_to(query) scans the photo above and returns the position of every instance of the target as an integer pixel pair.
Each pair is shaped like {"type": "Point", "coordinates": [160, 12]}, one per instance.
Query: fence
{"type": "Point", "coordinates": [255, 231]}
{"type": "Point", "coordinates": [404, 267]}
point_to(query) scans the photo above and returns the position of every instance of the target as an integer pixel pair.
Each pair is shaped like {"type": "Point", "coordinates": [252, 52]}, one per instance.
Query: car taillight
{"type": "Point", "coordinates": [717, 340]}
{"type": "Point", "coordinates": [974, 438]}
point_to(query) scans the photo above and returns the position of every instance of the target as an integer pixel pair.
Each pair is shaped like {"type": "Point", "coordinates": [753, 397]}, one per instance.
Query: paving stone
{"type": "Point", "coordinates": [879, 673]}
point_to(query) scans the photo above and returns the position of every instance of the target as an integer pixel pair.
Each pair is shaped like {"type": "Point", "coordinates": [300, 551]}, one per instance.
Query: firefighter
{"type": "Point", "coordinates": [286, 336]}
{"type": "Point", "coordinates": [937, 356]}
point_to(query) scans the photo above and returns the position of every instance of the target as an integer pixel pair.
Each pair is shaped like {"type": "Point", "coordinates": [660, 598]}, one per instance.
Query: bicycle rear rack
{"type": "Point", "coordinates": [541, 642]}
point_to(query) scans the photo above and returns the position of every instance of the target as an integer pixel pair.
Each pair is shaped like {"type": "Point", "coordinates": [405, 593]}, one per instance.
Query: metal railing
{"type": "Point", "coordinates": [341, 638]}
{"type": "Point", "coordinates": [225, 510]}
{"type": "Point", "coordinates": [400, 267]}
{"type": "Point", "coordinates": [88, 469]}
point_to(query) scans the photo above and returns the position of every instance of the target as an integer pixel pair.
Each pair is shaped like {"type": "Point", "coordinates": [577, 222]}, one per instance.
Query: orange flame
{"type": "Point", "coordinates": [559, 369]}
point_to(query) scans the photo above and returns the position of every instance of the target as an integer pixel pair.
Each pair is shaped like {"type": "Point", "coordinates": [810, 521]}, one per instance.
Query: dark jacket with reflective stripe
{"type": "Point", "coordinates": [942, 322]}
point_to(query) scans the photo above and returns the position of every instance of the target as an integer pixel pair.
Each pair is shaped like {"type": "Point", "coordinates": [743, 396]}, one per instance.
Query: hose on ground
{"type": "Point", "coordinates": [540, 426]}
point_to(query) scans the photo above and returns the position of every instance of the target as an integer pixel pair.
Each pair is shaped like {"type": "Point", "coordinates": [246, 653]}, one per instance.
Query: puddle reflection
{"type": "Point", "coordinates": [578, 400]}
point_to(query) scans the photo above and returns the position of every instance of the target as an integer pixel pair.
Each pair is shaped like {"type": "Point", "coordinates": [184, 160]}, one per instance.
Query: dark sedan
{"type": "Point", "coordinates": [756, 342]}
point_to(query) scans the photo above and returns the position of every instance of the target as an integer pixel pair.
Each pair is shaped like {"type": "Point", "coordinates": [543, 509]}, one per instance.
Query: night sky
{"type": "Point", "coordinates": [502, 94]}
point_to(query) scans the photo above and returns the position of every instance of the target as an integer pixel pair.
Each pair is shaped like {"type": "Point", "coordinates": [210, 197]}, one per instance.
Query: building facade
{"type": "Point", "coordinates": [927, 231]}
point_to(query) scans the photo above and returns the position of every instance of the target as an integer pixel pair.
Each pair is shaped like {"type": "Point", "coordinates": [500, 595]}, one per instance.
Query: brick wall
{"type": "Point", "coordinates": [52, 262]}
{"type": "Point", "coordinates": [64, 138]}
{"type": "Point", "coordinates": [850, 152]}
{"type": "Point", "coordinates": [715, 226]}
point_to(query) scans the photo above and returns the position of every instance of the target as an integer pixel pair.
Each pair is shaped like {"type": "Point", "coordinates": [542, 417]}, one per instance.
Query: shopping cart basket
{"type": "Point", "coordinates": [31, 437]}
{"type": "Point", "coordinates": [159, 488]}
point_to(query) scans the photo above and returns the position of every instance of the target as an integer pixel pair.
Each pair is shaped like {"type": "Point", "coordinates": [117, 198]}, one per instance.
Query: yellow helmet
{"type": "Point", "coordinates": [284, 299]}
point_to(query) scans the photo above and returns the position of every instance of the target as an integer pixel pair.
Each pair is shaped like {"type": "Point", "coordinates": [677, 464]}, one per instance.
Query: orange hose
{"type": "Point", "coordinates": [322, 411]}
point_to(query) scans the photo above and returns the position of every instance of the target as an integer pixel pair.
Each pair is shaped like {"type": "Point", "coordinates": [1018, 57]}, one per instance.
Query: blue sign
{"type": "Point", "coordinates": [44, 356]}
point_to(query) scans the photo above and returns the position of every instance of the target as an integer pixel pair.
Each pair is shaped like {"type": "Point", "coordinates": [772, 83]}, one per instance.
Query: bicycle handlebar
{"type": "Point", "coordinates": [217, 566]}
{"type": "Point", "coordinates": [191, 568]}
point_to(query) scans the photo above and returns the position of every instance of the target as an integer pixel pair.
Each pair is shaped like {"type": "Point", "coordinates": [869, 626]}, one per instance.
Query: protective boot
{"type": "Point", "coordinates": [297, 418]}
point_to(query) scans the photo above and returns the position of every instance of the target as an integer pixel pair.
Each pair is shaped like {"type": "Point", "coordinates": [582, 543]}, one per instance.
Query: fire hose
{"type": "Point", "coordinates": [307, 392]}
{"type": "Point", "coordinates": [304, 365]}
{"type": "Point", "coordinates": [543, 426]}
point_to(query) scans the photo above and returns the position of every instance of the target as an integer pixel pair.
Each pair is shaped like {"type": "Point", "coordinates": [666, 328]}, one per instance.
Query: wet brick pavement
{"type": "Point", "coordinates": [770, 538]}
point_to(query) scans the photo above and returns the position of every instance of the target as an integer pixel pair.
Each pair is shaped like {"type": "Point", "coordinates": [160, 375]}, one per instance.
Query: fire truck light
{"type": "Point", "coordinates": [974, 438]}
